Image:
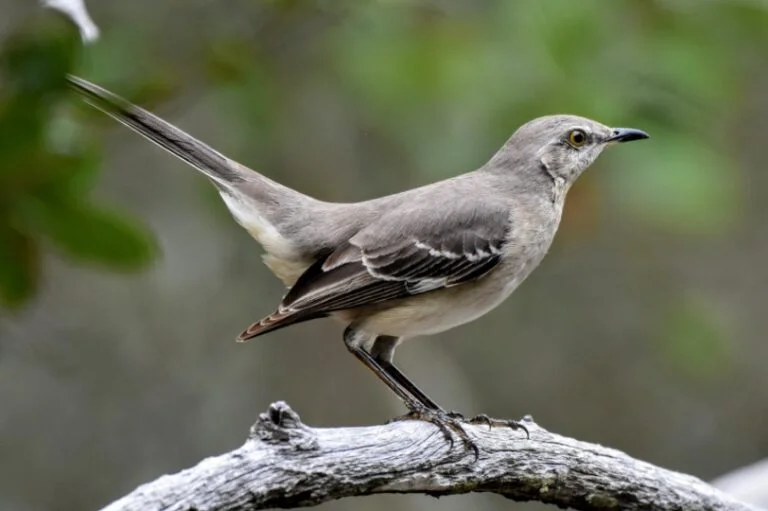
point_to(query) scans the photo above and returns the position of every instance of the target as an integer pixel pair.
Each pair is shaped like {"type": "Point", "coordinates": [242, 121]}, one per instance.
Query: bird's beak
{"type": "Point", "coordinates": [626, 135]}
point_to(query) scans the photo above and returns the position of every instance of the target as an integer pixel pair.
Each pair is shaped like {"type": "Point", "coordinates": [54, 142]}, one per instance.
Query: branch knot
{"type": "Point", "coordinates": [280, 424]}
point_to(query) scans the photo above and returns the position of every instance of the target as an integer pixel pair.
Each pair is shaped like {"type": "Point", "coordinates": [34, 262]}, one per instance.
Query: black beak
{"type": "Point", "coordinates": [626, 135]}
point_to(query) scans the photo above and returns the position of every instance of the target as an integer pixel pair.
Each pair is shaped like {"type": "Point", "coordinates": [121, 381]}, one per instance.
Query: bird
{"type": "Point", "coordinates": [418, 262]}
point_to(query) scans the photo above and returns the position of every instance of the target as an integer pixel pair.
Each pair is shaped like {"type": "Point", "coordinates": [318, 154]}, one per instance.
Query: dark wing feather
{"type": "Point", "coordinates": [395, 258]}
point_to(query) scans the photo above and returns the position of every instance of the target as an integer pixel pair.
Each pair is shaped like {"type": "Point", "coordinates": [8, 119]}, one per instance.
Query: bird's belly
{"type": "Point", "coordinates": [434, 312]}
{"type": "Point", "coordinates": [287, 270]}
{"type": "Point", "coordinates": [438, 311]}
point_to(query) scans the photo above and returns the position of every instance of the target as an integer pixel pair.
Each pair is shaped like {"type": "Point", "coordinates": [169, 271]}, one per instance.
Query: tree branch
{"type": "Point", "coordinates": [748, 483]}
{"type": "Point", "coordinates": [285, 463]}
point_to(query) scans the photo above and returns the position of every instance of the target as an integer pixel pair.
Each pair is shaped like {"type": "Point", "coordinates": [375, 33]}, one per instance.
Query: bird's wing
{"type": "Point", "coordinates": [402, 254]}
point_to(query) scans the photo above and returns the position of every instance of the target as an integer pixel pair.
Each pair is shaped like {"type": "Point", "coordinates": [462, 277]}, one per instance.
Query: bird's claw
{"type": "Point", "coordinates": [446, 422]}
{"type": "Point", "coordinates": [491, 423]}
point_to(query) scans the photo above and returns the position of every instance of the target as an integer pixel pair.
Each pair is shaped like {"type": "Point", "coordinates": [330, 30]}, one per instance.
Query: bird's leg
{"type": "Point", "coordinates": [354, 340]}
{"type": "Point", "coordinates": [382, 351]}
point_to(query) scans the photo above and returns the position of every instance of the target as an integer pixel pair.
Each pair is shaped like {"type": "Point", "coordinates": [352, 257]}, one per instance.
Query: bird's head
{"type": "Point", "coordinates": [562, 146]}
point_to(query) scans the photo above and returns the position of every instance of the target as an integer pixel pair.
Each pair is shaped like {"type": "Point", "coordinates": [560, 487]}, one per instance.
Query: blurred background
{"type": "Point", "coordinates": [123, 279]}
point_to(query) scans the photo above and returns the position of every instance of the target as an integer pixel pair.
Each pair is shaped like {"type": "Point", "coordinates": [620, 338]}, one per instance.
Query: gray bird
{"type": "Point", "coordinates": [414, 263]}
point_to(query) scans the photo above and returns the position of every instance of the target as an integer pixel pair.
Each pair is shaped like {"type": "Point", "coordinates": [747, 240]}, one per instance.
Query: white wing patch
{"type": "Point", "coordinates": [436, 253]}
{"type": "Point", "coordinates": [422, 286]}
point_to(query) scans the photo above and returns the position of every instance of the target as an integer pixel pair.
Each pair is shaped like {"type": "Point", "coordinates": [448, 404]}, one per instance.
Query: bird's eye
{"type": "Point", "coordinates": [577, 138]}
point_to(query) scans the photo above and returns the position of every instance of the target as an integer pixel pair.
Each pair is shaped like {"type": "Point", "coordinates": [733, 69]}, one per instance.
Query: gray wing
{"type": "Point", "coordinates": [403, 254]}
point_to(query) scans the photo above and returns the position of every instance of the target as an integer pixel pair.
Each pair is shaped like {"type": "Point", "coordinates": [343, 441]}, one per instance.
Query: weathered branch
{"type": "Point", "coordinates": [748, 483]}
{"type": "Point", "coordinates": [285, 463]}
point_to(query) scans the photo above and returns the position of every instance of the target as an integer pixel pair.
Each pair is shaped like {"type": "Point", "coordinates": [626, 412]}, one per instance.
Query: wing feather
{"type": "Point", "coordinates": [396, 258]}
{"type": "Point", "coordinates": [381, 263]}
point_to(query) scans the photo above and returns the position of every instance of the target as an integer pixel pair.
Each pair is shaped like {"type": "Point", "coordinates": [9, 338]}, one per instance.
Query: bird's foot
{"type": "Point", "coordinates": [446, 422]}
{"type": "Point", "coordinates": [491, 423]}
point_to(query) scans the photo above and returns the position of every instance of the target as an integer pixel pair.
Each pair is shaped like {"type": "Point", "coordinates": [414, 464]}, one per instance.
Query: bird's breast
{"type": "Point", "coordinates": [443, 309]}
{"type": "Point", "coordinates": [438, 311]}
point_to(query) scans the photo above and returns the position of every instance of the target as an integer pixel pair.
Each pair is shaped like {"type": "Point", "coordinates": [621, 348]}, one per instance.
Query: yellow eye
{"type": "Point", "coordinates": [577, 138]}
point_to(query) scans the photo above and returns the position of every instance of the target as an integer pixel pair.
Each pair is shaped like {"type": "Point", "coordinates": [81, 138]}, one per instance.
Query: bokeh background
{"type": "Point", "coordinates": [124, 280]}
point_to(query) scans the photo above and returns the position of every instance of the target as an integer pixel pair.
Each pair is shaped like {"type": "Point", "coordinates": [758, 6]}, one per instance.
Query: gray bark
{"type": "Point", "coordinates": [285, 463]}
{"type": "Point", "coordinates": [748, 483]}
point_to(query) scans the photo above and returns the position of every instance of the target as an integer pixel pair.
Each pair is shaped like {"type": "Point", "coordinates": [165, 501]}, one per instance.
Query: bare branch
{"type": "Point", "coordinates": [285, 463]}
{"type": "Point", "coordinates": [748, 483]}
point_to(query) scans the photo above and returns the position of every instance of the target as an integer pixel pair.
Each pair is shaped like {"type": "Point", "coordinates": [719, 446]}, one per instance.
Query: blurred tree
{"type": "Point", "coordinates": [47, 168]}
{"type": "Point", "coordinates": [650, 305]}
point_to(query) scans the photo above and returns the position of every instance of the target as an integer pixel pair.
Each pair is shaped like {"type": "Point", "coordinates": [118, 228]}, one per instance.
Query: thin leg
{"type": "Point", "coordinates": [354, 340]}
{"type": "Point", "coordinates": [383, 351]}
{"type": "Point", "coordinates": [403, 380]}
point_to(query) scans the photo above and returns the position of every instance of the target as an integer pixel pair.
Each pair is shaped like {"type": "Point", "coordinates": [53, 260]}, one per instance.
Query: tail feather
{"type": "Point", "coordinates": [275, 321]}
{"type": "Point", "coordinates": [179, 143]}
{"type": "Point", "coordinates": [256, 202]}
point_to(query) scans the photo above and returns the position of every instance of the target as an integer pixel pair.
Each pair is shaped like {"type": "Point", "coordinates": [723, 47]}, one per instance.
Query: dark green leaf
{"type": "Point", "coordinates": [93, 234]}
{"type": "Point", "coordinates": [34, 62]}
{"type": "Point", "coordinates": [33, 67]}
{"type": "Point", "coordinates": [19, 267]}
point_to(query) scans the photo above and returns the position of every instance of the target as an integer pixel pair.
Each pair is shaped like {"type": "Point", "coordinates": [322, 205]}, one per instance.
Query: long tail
{"type": "Point", "coordinates": [213, 164]}
{"type": "Point", "coordinates": [275, 321]}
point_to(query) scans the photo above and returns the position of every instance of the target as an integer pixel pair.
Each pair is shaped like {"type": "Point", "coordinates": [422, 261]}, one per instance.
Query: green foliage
{"type": "Point", "coordinates": [682, 186]}
{"type": "Point", "coordinates": [444, 86]}
{"type": "Point", "coordinates": [693, 338]}
{"type": "Point", "coordinates": [666, 67]}
{"type": "Point", "coordinates": [46, 172]}
{"type": "Point", "coordinates": [437, 86]}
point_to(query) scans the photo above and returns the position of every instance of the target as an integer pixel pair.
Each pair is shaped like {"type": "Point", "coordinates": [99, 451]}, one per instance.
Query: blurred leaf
{"type": "Point", "coordinates": [67, 175]}
{"type": "Point", "coordinates": [19, 267]}
{"type": "Point", "coordinates": [47, 171]}
{"type": "Point", "coordinates": [46, 181]}
{"type": "Point", "coordinates": [693, 340]}
{"type": "Point", "coordinates": [32, 71]}
{"type": "Point", "coordinates": [93, 234]}
{"type": "Point", "coordinates": [35, 61]}
{"type": "Point", "coordinates": [224, 60]}
{"type": "Point", "coordinates": [678, 183]}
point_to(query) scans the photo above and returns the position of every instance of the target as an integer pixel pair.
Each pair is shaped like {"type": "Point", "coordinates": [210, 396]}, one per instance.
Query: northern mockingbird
{"type": "Point", "coordinates": [417, 262]}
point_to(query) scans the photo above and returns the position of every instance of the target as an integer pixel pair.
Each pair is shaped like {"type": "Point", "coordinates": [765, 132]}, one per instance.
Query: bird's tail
{"type": "Point", "coordinates": [275, 321]}
{"type": "Point", "coordinates": [256, 202]}
{"type": "Point", "coordinates": [213, 164]}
